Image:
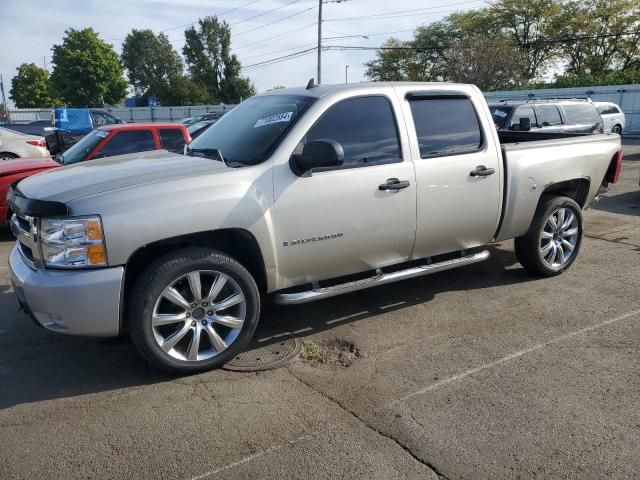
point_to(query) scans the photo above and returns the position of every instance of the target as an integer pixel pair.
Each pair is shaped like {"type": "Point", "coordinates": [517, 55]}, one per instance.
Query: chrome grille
{"type": "Point", "coordinates": [25, 230]}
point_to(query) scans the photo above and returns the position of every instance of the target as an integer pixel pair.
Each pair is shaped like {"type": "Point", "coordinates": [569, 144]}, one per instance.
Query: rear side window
{"type": "Point", "coordinates": [608, 110]}
{"type": "Point", "coordinates": [129, 142]}
{"type": "Point", "coordinates": [171, 139]}
{"type": "Point", "coordinates": [523, 111]}
{"type": "Point", "coordinates": [584, 113]}
{"type": "Point", "coordinates": [549, 115]}
{"type": "Point", "coordinates": [364, 126]}
{"type": "Point", "coordinates": [445, 125]}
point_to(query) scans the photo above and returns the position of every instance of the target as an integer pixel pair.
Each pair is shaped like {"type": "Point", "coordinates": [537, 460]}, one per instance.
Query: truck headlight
{"type": "Point", "coordinates": [73, 242]}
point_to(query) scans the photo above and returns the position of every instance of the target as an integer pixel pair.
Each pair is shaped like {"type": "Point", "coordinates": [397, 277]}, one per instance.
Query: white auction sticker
{"type": "Point", "coordinates": [278, 117]}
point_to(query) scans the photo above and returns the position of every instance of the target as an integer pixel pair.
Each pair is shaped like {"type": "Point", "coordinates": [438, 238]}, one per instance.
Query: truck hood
{"type": "Point", "coordinates": [23, 165]}
{"type": "Point", "coordinates": [98, 176]}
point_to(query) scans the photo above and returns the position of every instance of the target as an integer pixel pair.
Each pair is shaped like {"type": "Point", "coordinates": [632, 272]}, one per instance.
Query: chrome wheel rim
{"type": "Point", "coordinates": [559, 238]}
{"type": "Point", "coordinates": [199, 315]}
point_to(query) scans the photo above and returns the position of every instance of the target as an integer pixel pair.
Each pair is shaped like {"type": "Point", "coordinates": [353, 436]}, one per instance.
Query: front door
{"type": "Point", "coordinates": [458, 174]}
{"type": "Point", "coordinates": [340, 221]}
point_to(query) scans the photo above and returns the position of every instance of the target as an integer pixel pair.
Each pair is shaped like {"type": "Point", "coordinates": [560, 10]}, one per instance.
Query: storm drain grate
{"type": "Point", "coordinates": [270, 356]}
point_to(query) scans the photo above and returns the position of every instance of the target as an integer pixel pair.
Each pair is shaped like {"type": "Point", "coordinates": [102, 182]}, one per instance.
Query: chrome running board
{"type": "Point", "coordinates": [379, 279]}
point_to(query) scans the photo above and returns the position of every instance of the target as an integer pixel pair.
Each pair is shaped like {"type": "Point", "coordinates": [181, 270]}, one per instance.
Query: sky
{"type": "Point", "coordinates": [29, 28]}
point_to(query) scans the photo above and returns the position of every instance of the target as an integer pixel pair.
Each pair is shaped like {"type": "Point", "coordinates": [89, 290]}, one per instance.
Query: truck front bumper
{"type": "Point", "coordinates": [75, 302]}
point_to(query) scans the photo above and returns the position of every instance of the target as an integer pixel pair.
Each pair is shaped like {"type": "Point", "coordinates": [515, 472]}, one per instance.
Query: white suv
{"type": "Point", "coordinates": [612, 116]}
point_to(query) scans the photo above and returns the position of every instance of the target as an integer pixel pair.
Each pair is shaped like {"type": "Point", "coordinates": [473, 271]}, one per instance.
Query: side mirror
{"type": "Point", "coordinates": [322, 153]}
{"type": "Point", "coordinates": [525, 124]}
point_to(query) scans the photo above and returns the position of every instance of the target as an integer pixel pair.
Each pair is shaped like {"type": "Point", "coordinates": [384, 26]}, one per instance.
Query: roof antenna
{"type": "Point", "coordinates": [311, 85]}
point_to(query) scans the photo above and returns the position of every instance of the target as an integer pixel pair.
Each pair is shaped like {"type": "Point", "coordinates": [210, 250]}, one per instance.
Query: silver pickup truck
{"type": "Point", "coordinates": [295, 195]}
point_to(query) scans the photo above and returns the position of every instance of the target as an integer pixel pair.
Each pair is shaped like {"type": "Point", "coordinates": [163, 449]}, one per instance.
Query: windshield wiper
{"type": "Point", "coordinates": [212, 153]}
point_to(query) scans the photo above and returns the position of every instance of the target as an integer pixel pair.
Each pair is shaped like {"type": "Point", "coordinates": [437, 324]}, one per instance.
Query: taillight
{"type": "Point", "coordinates": [614, 168]}
{"type": "Point", "coordinates": [37, 143]}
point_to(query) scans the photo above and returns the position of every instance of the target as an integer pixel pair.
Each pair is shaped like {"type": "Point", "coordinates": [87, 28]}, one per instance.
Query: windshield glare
{"type": "Point", "coordinates": [249, 133]}
{"type": "Point", "coordinates": [80, 150]}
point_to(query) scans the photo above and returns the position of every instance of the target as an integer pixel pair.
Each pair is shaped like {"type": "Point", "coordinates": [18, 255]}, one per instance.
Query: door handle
{"type": "Point", "coordinates": [394, 184]}
{"type": "Point", "coordinates": [482, 171]}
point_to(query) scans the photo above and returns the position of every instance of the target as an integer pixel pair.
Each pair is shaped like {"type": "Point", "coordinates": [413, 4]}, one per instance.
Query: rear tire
{"type": "Point", "coordinates": [193, 310]}
{"type": "Point", "coordinates": [616, 129]}
{"type": "Point", "coordinates": [553, 240]}
{"type": "Point", "coordinates": [8, 156]}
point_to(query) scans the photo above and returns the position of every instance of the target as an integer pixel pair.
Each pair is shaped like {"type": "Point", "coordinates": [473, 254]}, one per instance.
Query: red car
{"type": "Point", "coordinates": [105, 141]}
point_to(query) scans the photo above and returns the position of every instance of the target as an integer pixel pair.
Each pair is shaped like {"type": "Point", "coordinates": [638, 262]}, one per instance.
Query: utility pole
{"type": "Point", "coordinates": [320, 41]}
{"type": "Point", "coordinates": [44, 61]}
{"type": "Point", "coordinates": [320, 2]}
{"type": "Point", "coordinates": [346, 74]}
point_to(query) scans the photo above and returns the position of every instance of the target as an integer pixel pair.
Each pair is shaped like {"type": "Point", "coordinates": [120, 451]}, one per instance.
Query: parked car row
{"type": "Point", "coordinates": [106, 141]}
{"type": "Point", "coordinates": [19, 145]}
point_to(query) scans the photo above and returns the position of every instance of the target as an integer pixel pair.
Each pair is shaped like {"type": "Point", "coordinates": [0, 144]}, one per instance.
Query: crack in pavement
{"type": "Point", "coordinates": [595, 237]}
{"type": "Point", "coordinates": [357, 417]}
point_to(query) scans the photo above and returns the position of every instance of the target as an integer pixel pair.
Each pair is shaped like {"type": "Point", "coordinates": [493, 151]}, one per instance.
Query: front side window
{"type": "Point", "coordinates": [446, 125]}
{"type": "Point", "coordinates": [500, 114]}
{"type": "Point", "coordinates": [171, 139]}
{"type": "Point", "coordinates": [128, 142]}
{"type": "Point", "coordinates": [249, 133]}
{"type": "Point", "coordinates": [364, 126]}
{"type": "Point", "coordinates": [549, 115]}
{"type": "Point", "coordinates": [581, 113]}
{"type": "Point", "coordinates": [80, 150]}
{"type": "Point", "coordinates": [523, 111]}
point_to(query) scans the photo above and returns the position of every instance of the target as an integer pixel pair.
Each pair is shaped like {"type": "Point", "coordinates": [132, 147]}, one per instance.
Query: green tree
{"type": "Point", "coordinates": [181, 90]}
{"type": "Point", "coordinates": [463, 47]}
{"type": "Point", "coordinates": [87, 71]}
{"type": "Point", "coordinates": [151, 63]}
{"type": "Point", "coordinates": [530, 26]}
{"type": "Point", "coordinates": [207, 53]}
{"type": "Point", "coordinates": [598, 39]}
{"type": "Point", "coordinates": [488, 63]}
{"type": "Point", "coordinates": [30, 87]}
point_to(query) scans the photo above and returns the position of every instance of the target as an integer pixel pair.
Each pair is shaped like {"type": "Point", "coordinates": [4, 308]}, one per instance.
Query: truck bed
{"type": "Point", "coordinates": [534, 161]}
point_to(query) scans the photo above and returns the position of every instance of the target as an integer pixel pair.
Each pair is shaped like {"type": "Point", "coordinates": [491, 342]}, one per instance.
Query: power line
{"type": "Point", "coordinates": [274, 22]}
{"type": "Point", "coordinates": [226, 12]}
{"type": "Point", "coordinates": [281, 59]}
{"type": "Point", "coordinates": [397, 13]}
{"type": "Point", "coordinates": [264, 13]}
{"type": "Point", "coordinates": [278, 51]}
{"type": "Point", "coordinates": [522, 45]}
{"type": "Point", "coordinates": [281, 35]}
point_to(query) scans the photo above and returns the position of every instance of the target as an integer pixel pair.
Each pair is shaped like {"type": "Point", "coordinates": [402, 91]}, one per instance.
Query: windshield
{"type": "Point", "coordinates": [80, 150]}
{"type": "Point", "coordinates": [500, 113]}
{"type": "Point", "coordinates": [197, 126]}
{"type": "Point", "coordinates": [250, 132]}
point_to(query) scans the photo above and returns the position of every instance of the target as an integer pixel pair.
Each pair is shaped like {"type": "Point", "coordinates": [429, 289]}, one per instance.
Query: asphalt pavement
{"type": "Point", "coordinates": [481, 372]}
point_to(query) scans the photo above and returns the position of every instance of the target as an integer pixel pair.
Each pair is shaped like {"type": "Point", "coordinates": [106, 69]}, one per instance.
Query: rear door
{"type": "Point", "coordinates": [549, 118]}
{"type": "Point", "coordinates": [458, 172]}
{"type": "Point", "coordinates": [171, 139]}
{"type": "Point", "coordinates": [582, 117]}
{"type": "Point", "coordinates": [523, 111]}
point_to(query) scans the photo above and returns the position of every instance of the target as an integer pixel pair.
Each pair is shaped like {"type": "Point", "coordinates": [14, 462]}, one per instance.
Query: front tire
{"type": "Point", "coordinates": [554, 237]}
{"type": "Point", "coordinates": [617, 129]}
{"type": "Point", "coordinates": [193, 310]}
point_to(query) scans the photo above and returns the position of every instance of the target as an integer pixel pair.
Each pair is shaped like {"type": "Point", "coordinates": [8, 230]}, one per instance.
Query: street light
{"type": "Point", "coordinates": [346, 73]}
